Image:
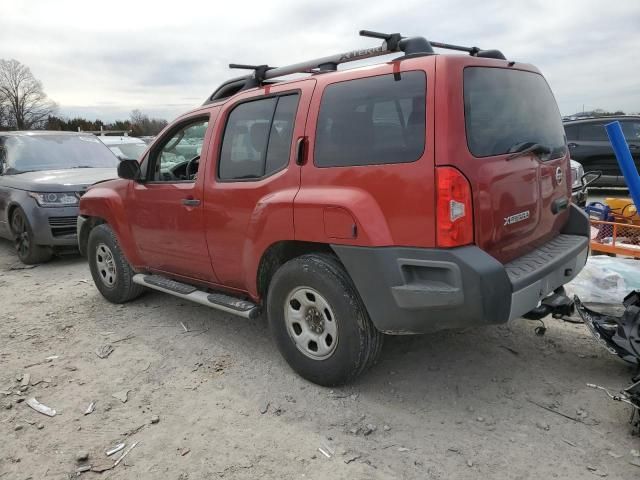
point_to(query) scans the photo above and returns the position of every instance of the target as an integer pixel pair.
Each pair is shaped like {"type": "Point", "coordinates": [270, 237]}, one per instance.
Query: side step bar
{"type": "Point", "coordinates": [219, 301]}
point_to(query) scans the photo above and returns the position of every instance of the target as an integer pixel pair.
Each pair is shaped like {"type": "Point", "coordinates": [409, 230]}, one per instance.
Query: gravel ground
{"type": "Point", "coordinates": [461, 404]}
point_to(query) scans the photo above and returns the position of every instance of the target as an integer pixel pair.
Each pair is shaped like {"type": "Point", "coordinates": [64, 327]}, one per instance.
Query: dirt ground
{"type": "Point", "coordinates": [465, 404]}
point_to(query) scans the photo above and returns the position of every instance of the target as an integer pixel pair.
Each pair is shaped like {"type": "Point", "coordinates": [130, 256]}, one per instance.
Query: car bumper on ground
{"type": "Point", "coordinates": [53, 226]}
{"type": "Point", "coordinates": [422, 290]}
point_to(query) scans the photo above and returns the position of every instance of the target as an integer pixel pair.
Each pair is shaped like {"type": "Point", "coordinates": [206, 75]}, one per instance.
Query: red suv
{"type": "Point", "coordinates": [428, 192]}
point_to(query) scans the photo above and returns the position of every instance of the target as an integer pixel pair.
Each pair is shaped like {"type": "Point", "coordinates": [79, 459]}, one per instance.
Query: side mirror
{"type": "Point", "coordinates": [129, 170]}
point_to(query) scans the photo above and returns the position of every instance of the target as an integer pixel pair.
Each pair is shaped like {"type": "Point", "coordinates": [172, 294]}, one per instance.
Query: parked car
{"type": "Point", "coordinates": [124, 147]}
{"type": "Point", "coordinates": [42, 177]}
{"type": "Point", "coordinates": [589, 144]}
{"type": "Point", "coordinates": [322, 201]}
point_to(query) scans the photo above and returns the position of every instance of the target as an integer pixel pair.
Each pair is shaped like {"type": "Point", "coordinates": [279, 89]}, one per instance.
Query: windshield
{"type": "Point", "coordinates": [27, 153]}
{"type": "Point", "coordinates": [505, 109]}
{"type": "Point", "coordinates": [128, 151]}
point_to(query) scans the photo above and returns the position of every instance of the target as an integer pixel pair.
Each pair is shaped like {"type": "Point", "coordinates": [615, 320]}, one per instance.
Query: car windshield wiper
{"type": "Point", "coordinates": [520, 149]}
{"type": "Point", "coordinates": [82, 166]}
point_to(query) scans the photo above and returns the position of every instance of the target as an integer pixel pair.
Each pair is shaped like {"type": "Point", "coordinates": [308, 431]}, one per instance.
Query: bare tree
{"type": "Point", "coordinates": [22, 99]}
{"type": "Point", "coordinates": [142, 125]}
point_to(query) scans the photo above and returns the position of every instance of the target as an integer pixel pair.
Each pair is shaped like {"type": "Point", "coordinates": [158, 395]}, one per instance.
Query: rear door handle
{"type": "Point", "coordinates": [633, 147]}
{"type": "Point", "coordinates": [190, 202]}
{"type": "Point", "coordinates": [572, 145]}
{"type": "Point", "coordinates": [301, 150]}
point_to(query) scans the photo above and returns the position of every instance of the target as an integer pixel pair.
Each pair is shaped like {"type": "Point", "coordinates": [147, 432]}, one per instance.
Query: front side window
{"type": "Point", "coordinates": [257, 138]}
{"type": "Point", "coordinates": [505, 109]}
{"type": "Point", "coordinates": [593, 132]}
{"type": "Point", "coordinates": [178, 157]}
{"type": "Point", "coordinates": [372, 121]}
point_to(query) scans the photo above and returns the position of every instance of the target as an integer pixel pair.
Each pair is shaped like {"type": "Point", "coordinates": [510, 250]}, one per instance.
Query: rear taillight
{"type": "Point", "coordinates": [454, 216]}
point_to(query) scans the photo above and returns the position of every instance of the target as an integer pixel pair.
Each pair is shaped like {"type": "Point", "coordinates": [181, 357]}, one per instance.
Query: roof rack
{"type": "Point", "coordinates": [392, 42]}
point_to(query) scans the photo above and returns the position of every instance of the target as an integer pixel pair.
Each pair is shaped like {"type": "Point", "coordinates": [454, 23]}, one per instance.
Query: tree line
{"type": "Point", "coordinates": [25, 106]}
{"type": "Point", "coordinates": [138, 124]}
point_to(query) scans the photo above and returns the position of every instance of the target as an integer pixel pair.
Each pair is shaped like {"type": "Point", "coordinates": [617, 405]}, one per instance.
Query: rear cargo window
{"type": "Point", "coordinates": [507, 108]}
{"type": "Point", "coordinates": [372, 121]}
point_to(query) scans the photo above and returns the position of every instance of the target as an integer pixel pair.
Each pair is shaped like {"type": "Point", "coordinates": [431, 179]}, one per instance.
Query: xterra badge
{"type": "Point", "coordinates": [518, 217]}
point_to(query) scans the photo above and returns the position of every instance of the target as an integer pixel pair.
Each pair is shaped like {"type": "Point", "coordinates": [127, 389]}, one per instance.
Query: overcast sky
{"type": "Point", "coordinates": [103, 59]}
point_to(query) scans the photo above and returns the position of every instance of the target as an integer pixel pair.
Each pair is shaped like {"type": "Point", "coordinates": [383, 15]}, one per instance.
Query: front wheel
{"type": "Point", "coordinates": [28, 252]}
{"type": "Point", "coordinates": [318, 321]}
{"type": "Point", "coordinates": [110, 269]}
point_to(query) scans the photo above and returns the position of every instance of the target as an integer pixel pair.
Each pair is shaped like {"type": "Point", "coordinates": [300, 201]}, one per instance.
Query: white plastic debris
{"type": "Point", "coordinates": [115, 449]}
{"type": "Point", "coordinates": [39, 407]}
{"type": "Point", "coordinates": [605, 279]}
{"type": "Point", "coordinates": [90, 408]}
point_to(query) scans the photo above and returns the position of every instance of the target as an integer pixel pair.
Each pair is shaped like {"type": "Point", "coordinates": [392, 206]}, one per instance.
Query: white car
{"type": "Point", "coordinates": [125, 147]}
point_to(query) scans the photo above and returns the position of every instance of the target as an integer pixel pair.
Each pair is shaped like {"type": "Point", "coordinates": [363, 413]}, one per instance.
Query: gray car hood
{"type": "Point", "coordinates": [69, 180]}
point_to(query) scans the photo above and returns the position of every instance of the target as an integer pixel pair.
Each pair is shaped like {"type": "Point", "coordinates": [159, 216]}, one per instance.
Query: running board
{"type": "Point", "coordinates": [219, 301]}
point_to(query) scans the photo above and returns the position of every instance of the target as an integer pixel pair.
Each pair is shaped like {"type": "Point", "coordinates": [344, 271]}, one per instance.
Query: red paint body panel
{"type": "Point", "coordinates": [221, 242]}
{"type": "Point", "coordinates": [243, 218]}
{"type": "Point", "coordinates": [339, 223]}
{"type": "Point", "coordinates": [500, 187]}
{"type": "Point", "coordinates": [393, 204]}
{"type": "Point", "coordinates": [107, 201]}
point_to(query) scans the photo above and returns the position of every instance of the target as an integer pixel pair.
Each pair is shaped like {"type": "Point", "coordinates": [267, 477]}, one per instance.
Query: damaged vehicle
{"type": "Point", "coordinates": [619, 335]}
{"type": "Point", "coordinates": [42, 177]}
{"type": "Point", "coordinates": [424, 193]}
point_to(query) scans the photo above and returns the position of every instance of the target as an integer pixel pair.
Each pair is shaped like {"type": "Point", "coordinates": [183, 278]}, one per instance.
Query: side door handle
{"type": "Point", "coordinates": [190, 202]}
{"type": "Point", "coordinates": [572, 145]}
{"type": "Point", "coordinates": [301, 150]}
{"type": "Point", "coordinates": [633, 146]}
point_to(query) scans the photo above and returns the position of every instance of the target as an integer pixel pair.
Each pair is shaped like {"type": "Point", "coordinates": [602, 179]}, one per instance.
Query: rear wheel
{"type": "Point", "coordinates": [319, 322]}
{"type": "Point", "coordinates": [110, 269]}
{"type": "Point", "coordinates": [28, 252]}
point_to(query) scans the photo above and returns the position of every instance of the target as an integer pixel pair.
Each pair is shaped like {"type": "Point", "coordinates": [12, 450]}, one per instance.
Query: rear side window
{"type": "Point", "coordinates": [506, 108]}
{"type": "Point", "coordinates": [372, 121]}
{"type": "Point", "coordinates": [631, 130]}
{"type": "Point", "coordinates": [593, 132]}
{"type": "Point", "coordinates": [257, 138]}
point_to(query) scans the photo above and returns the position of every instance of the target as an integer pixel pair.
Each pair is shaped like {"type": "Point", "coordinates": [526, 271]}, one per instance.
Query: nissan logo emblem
{"type": "Point", "coordinates": [559, 175]}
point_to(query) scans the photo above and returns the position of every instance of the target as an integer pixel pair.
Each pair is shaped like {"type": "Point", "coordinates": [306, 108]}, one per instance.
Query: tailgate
{"type": "Point", "coordinates": [519, 201]}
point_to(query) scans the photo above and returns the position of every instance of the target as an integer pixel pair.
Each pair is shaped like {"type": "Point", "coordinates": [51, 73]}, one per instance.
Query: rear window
{"type": "Point", "coordinates": [506, 108]}
{"type": "Point", "coordinates": [372, 121]}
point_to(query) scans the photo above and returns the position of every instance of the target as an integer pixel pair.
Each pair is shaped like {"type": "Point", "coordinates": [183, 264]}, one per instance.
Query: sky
{"type": "Point", "coordinates": [103, 59]}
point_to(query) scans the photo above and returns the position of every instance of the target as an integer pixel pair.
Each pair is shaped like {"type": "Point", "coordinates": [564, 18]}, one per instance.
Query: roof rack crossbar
{"type": "Point", "coordinates": [391, 42]}
{"type": "Point", "coordinates": [449, 46]}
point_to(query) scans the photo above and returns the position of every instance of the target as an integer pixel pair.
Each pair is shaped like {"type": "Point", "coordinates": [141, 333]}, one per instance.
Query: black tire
{"type": "Point", "coordinates": [358, 342]}
{"type": "Point", "coordinates": [28, 252]}
{"type": "Point", "coordinates": [110, 269]}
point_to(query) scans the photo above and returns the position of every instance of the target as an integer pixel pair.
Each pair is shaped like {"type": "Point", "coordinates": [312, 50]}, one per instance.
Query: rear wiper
{"type": "Point", "coordinates": [525, 148]}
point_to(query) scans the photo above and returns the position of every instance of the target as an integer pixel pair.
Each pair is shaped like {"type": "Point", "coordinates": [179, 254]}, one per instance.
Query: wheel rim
{"type": "Point", "coordinates": [311, 323]}
{"type": "Point", "coordinates": [21, 233]}
{"type": "Point", "coordinates": [106, 265]}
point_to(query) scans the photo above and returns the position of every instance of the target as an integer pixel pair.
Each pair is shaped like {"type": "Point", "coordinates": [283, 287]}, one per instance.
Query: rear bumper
{"type": "Point", "coordinates": [421, 290]}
